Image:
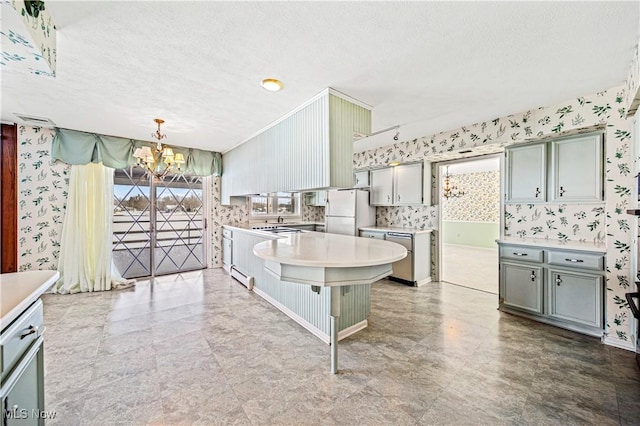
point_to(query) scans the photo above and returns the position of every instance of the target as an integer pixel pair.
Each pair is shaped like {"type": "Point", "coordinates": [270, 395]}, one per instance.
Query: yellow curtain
{"type": "Point", "coordinates": [86, 262]}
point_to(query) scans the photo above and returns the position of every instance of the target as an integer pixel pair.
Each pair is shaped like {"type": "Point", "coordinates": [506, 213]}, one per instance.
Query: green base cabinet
{"type": "Point", "coordinates": [563, 287]}
{"type": "Point", "coordinates": [522, 287]}
{"type": "Point", "coordinates": [575, 297]}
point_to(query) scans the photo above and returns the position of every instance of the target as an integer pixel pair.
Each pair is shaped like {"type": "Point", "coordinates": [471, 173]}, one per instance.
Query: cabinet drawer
{"type": "Point", "coordinates": [19, 336]}
{"type": "Point", "coordinates": [227, 233]}
{"type": "Point", "coordinates": [576, 260]}
{"type": "Point", "coordinates": [372, 234]}
{"type": "Point", "coordinates": [527, 254]}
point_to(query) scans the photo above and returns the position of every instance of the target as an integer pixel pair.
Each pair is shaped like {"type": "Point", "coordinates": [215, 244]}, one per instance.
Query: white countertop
{"type": "Point", "coordinates": [18, 290]}
{"type": "Point", "coordinates": [248, 228]}
{"type": "Point", "coordinates": [555, 244]}
{"type": "Point", "coordinates": [329, 250]}
{"type": "Point", "coordinates": [396, 229]}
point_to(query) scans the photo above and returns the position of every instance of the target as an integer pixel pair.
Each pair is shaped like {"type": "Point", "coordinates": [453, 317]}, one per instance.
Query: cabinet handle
{"type": "Point", "coordinates": [575, 260]}
{"type": "Point", "coordinates": [398, 197]}
{"type": "Point", "coordinates": [558, 280]}
{"type": "Point", "coordinates": [537, 192]}
{"type": "Point", "coordinates": [562, 191]}
{"type": "Point", "coordinates": [388, 197]}
{"type": "Point", "coordinates": [519, 254]}
{"type": "Point", "coordinates": [533, 276]}
{"type": "Point", "coordinates": [32, 329]}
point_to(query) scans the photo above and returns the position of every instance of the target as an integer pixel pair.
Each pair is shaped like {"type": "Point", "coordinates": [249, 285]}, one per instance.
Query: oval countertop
{"type": "Point", "coordinates": [319, 249]}
{"type": "Point", "coordinates": [21, 289]}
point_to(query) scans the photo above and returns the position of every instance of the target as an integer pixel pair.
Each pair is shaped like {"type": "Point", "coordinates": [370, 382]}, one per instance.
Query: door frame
{"type": "Point", "coordinates": [438, 172]}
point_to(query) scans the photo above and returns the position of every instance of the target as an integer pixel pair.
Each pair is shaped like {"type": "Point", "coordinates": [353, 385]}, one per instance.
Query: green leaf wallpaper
{"type": "Point", "coordinates": [606, 222]}
{"type": "Point", "coordinates": [42, 197]}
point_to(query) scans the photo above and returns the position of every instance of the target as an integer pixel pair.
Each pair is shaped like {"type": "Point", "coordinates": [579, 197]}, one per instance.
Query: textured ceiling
{"type": "Point", "coordinates": [425, 66]}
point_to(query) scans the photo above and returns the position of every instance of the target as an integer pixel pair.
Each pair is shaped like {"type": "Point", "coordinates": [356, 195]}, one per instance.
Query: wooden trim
{"type": "Point", "coordinates": [9, 198]}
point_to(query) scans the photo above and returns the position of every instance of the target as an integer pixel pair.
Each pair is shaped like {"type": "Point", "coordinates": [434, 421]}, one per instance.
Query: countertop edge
{"type": "Point", "coordinates": [555, 245]}
{"type": "Point", "coordinates": [17, 310]}
{"type": "Point", "coordinates": [395, 229]}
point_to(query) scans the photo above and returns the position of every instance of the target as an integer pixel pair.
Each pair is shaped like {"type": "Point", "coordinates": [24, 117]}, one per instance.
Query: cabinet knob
{"type": "Point", "coordinates": [558, 280]}
{"type": "Point", "coordinates": [537, 192]}
{"type": "Point", "coordinates": [533, 276]}
{"type": "Point", "coordinates": [562, 191]}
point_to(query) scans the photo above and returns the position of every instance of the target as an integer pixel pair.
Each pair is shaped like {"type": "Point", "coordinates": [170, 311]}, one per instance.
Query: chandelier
{"type": "Point", "coordinates": [450, 190]}
{"type": "Point", "coordinates": [153, 159]}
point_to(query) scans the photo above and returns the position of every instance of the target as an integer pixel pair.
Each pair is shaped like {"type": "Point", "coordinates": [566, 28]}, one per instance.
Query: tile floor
{"type": "Point", "coordinates": [480, 269]}
{"type": "Point", "coordinates": [198, 348]}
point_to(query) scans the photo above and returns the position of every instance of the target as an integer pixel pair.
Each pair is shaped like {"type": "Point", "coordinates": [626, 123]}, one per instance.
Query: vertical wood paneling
{"type": "Point", "coordinates": [345, 118]}
{"type": "Point", "coordinates": [9, 198]}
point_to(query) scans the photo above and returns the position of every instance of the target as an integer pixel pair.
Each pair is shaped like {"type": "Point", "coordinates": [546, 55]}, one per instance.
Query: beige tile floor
{"type": "Point", "coordinates": [198, 348]}
{"type": "Point", "coordinates": [472, 267]}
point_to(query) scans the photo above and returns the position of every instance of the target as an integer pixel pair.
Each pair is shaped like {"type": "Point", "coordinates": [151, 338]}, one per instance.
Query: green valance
{"type": "Point", "coordinates": [75, 147]}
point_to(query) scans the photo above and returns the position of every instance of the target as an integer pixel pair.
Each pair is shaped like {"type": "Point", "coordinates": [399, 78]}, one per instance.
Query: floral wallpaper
{"type": "Point", "coordinates": [481, 199]}
{"type": "Point", "coordinates": [632, 90]}
{"type": "Point", "coordinates": [312, 213]}
{"type": "Point", "coordinates": [416, 217]}
{"type": "Point", "coordinates": [42, 197]}
{"type": "Point", "coordinates": [610, 223]}
{"type": "Point", "coordinates": [234, 215]}
{"type": "Point", "coordinates": [576, 222]}
{"type": "Point", "coordinates": [28, 43]}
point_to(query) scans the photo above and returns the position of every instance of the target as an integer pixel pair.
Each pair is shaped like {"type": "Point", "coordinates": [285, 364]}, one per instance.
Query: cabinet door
{"type": "Point", "coordinates": [576, 173]}
{"type": "Point", "coordinates": [526, 174]}
{"type": "Point", "coordinates": [575, 297]}
{"type": "Point", "coordinates": [227, 259]}
{"type": "Point", "coordinates": [408, 185]}
{"type": "Point", "coordinates": [521, 287]}
{"type": "Point", "coordinates": [25, 399]}
{"type": "Point", "coordinates": [382, 187]}
{"type": "Point", "coordinates": [361, 179]}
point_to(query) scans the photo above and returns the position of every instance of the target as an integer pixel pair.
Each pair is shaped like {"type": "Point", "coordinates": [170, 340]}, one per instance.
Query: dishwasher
{"type": "Point", "coordinates": [403, 269]}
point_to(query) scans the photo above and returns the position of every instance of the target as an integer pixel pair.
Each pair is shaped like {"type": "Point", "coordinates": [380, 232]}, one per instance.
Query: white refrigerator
{"type": "Point", "coordinates": [347, 210]}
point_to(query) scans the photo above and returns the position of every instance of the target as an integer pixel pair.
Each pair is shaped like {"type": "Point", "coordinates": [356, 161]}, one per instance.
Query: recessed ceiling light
{"type": "Point", "coordinates": [271, 84]}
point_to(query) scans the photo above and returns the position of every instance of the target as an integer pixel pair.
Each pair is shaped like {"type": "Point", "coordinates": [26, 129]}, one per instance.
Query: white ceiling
{"type": "Point", "coordinates": [426, 66]}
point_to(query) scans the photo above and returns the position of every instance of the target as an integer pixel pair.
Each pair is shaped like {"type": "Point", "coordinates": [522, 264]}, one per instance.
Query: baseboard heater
{"type": "Point", "coordinates": [241, 277]}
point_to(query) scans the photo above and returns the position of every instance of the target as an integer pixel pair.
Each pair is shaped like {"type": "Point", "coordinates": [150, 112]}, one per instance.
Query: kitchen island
{"type": "Point", "coordinates": [335, 262]}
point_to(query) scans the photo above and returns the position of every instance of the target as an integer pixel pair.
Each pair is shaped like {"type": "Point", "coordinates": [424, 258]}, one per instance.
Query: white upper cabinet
{"type": "Point", "coordinates": [526, 174]}
{"type": "Point", "coordinates": [307, 149]}
{"type": "Point", "coordinates": [576, 169]}
{"type": "Point", "coordinates": [397, 186]}
{"type": "Point", "coordinates": [381, 187]}
{"type": "Point", "coordinates": [408, 184]}
{"type": "Point", "coordinates": [361, 179]}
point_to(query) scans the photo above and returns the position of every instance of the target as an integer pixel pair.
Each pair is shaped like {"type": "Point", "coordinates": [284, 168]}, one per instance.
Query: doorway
{"type": "Point", "coordinates": [470, 220]}
{"type": "Point", "coordinates": [158, 224]}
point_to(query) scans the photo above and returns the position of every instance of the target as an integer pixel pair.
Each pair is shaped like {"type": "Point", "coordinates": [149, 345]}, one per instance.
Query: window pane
{"type": "Point", "coordinates": [286, 205]}
{"type": "Point", "coordinates": [259, 205]}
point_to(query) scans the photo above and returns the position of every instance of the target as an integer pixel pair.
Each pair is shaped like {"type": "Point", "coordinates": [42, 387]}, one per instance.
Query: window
{"type": "Point", "coordinates": [275, 204]}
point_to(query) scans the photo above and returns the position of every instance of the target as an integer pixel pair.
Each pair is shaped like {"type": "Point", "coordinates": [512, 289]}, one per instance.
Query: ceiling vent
{"type": "Point", "coordinates": [35, 121]}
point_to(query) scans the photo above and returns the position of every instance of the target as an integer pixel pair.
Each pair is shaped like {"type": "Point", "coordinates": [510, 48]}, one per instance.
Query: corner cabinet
{"type": "Point", "coordinates": [563, 287]}
{"type": "Point", "coordinates": [563, 170]}
{"type": "Point", "coordinates": [397, 186]}
{"type": "Point", "coordinates": [526, 173]}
